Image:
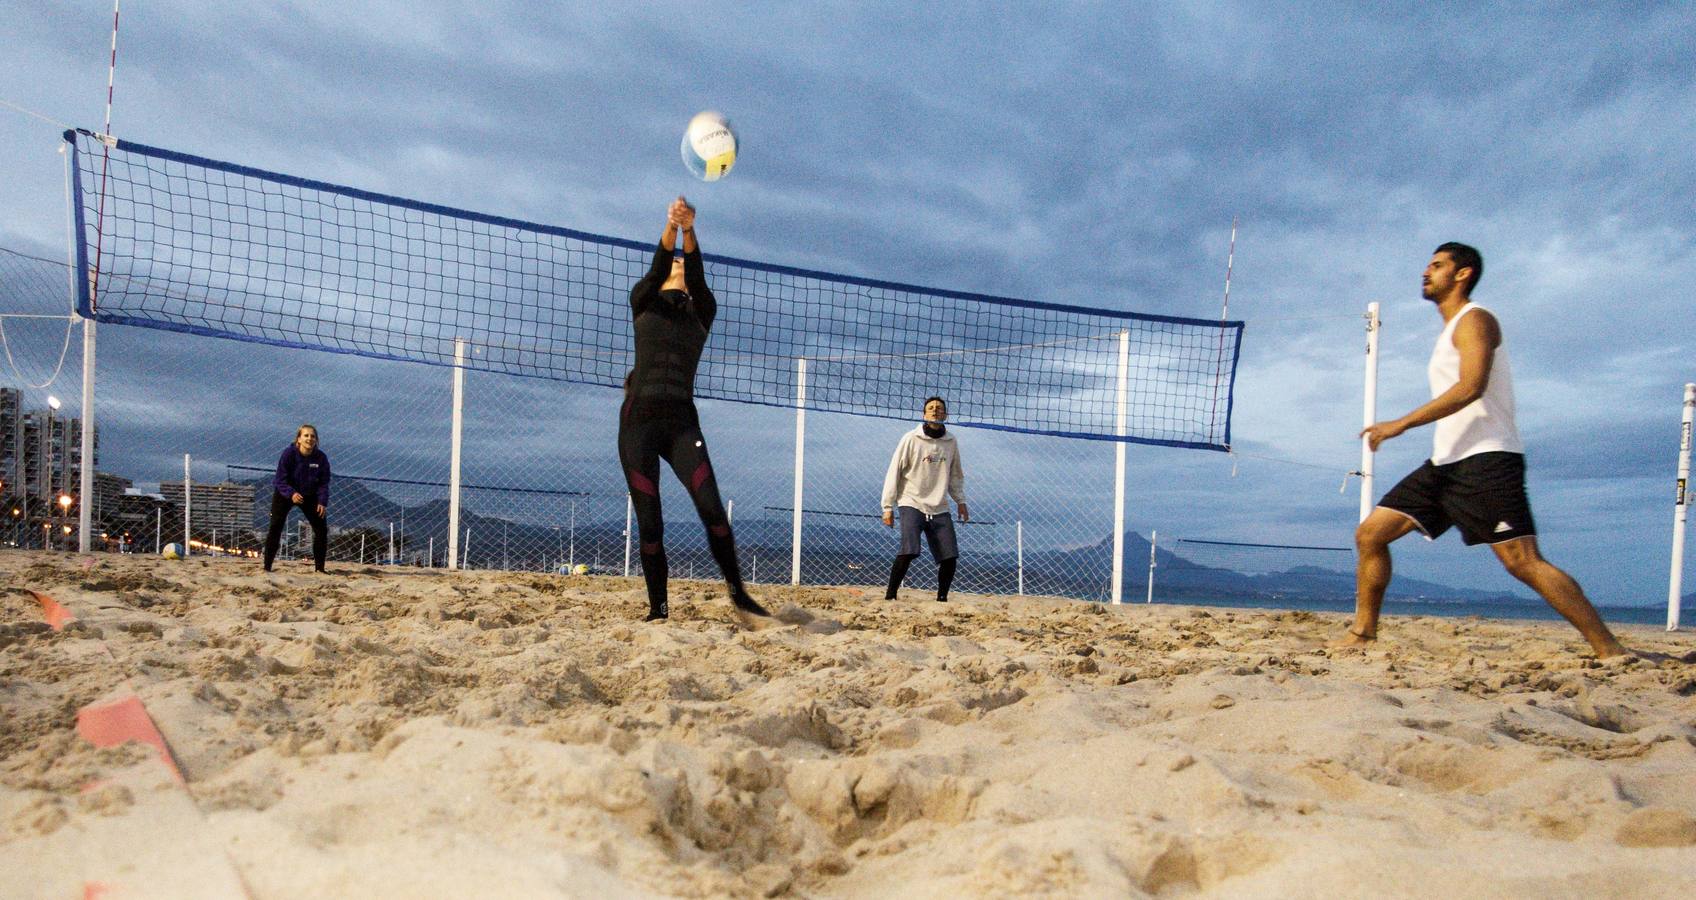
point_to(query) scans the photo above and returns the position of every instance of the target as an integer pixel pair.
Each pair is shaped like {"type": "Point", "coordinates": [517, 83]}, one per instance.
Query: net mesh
{"type": "Point", "coordinates": [192, 244]}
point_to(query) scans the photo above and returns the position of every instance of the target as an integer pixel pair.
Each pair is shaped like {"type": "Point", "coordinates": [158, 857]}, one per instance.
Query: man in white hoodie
{"type": "Point", "coordinates": [925, 468]}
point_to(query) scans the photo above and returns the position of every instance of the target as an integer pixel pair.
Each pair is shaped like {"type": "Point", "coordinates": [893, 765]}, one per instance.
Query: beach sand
{"type": "Point", "coordinates": [411, 733]}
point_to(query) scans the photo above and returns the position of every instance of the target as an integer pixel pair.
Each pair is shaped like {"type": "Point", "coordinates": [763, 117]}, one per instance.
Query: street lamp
{"type": "Point", "coordinates": [65, 509]}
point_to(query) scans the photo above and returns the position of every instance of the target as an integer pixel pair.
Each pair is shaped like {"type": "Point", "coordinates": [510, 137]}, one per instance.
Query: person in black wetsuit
{"type": "Point", "coordinates": [672, 310]}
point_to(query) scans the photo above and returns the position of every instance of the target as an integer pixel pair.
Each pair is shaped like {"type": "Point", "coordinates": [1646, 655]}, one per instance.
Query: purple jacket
{"type": "Point", "coordinates": [308, 476]}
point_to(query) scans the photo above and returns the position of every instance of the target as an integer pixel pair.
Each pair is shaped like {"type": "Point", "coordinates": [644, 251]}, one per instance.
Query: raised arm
{"type": "Point", "coordinates": [646, 290]}
{"type": "Point", "coordinates": [694, 274]}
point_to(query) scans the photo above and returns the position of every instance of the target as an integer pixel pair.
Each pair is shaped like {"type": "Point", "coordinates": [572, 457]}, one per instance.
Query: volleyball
{"type": "Point", "coordinates": [709, 146]}
{"type": "Point", "coordinates": [172, 551]}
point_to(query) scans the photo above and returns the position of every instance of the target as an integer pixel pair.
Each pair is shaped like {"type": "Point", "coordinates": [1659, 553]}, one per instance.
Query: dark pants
{"type": "Point", "coordinates": [939, 532]}
{"type": "Point", "coordinates": [280, 507]}
{"type": "Point", "coordinates": [643, 442]}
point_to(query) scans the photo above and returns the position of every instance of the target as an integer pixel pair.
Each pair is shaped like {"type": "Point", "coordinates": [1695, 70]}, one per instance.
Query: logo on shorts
{"type": "Point", "coordinates": [1503, 526]}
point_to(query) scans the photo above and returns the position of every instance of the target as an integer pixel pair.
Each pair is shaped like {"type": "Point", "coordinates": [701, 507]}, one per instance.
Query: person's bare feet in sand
{"type": "Point", "coordinates": [1352, 639]}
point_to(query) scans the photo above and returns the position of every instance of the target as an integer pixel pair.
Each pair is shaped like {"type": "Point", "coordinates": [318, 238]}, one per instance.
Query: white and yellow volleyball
{"type": "Point", "coordinates": [709, 146]}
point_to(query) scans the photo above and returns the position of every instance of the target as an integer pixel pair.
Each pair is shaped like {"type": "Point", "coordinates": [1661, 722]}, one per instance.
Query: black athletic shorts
{"type": "Point", "coordinates": [938, 531]}
{"type": "Point", "coordinates": [1483, 495]}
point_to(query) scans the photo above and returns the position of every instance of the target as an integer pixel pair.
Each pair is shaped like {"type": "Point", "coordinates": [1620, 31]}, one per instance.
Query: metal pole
{"type": "Point", "coordinates": [188, 502]}
{"type": "Point", "coordinates": [1153, 541]}
{"type": "Point", "coordinates": [391, 543]}
{"type": "Point", "coordinates": [629, 513]}
{"type": "Point", "coordinates": [572, 559]}
{"type": "Point", "coordinates": [362, 547]}
{"type": "Point", "coordinates": [1370, 413]}
{"type": "Point", "coordinates": [1119, 469]}
{"type": "Point", "coordinates": [453, 465]}
{"type": "Point", "coordinates": [1019, 540]}
{"type": "Point", "coordinates": [85, 519]}
{"type": "Point", "coordinates": [800, 468]}
{"type": "Point", "coordinates": [1680, 509]}
{"type": "Point", "coordinates": [158, 527]}
{"type": "Point", "coordinates": [432, 551]}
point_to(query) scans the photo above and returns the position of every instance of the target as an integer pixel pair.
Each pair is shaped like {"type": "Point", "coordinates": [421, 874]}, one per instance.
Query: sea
{"type": "Point", "coordinates": [1623, 615]}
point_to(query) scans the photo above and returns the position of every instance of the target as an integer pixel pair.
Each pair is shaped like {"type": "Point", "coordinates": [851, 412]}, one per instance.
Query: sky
{"type": "Point", "coordinates": [1089, 154]}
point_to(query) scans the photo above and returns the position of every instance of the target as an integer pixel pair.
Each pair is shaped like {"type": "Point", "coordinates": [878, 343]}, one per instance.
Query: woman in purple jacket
{"type": "Point", "coordinates": [303, 480]}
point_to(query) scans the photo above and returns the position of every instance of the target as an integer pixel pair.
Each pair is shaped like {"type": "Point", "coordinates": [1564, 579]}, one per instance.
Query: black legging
{"type": "Point", "coordinates": [642, 442]}
{"type": "Point", "coordinates": [280, 507]}
{"type": "Point", "coordinates": [898, 573]}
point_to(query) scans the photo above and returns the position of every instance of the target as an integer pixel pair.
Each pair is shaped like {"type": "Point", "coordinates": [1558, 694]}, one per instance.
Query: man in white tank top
{"type": "Point", "coordinates": [1475, 478]}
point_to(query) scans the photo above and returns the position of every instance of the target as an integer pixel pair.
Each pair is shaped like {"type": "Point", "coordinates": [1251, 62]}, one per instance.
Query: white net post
{"type": "Point", "coordinates": [188, 502]}
{"type": "Point", "coordinates": [1119, 469]}
{"type": "Point", "coordinates": [629, 514]}
{"type": "Point", "coordinates": [800, 469]}
{"type": "Point", "coordinates": [85, 510]}
{"type": "Point", "coordinates": [457, 440]}
{"type": "Point", "coordinates": [1681, 508]}
{"type": "Point", "coordinates": [1370, 410]}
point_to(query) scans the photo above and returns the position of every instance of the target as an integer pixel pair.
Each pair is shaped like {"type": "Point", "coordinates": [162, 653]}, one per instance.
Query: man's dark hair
{"type": "Point", "coordinates": [939, 400]}
{"type": "Point", "coordinates": [1465, 257]}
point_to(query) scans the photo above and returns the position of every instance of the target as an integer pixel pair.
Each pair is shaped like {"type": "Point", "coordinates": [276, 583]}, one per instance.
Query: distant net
{"type": "Point", "coordinates": [207, 247]}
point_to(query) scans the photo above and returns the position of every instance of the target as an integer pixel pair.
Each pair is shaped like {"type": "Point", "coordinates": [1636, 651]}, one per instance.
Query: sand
{"type": "Point", "coordinates": [407, 733]}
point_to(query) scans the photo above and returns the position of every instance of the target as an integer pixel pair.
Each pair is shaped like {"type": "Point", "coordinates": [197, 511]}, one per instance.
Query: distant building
{"type": "Point", "coordinates": [40, 460]}
{"type": "Point", "coordinates": [107, 489]}
{"type": "Point", "coordinates": [226, 508]}
{"type": "Point", "coordinates": [144, 520]}
{"type": "Point", "coordinates": [12, 441]}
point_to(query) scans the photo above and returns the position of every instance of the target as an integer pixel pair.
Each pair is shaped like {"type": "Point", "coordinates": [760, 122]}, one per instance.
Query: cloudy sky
{"type": "Point", "coordinates": [1072, 153]}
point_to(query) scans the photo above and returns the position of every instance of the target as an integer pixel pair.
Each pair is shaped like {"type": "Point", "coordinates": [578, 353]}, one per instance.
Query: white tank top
{"type": "Point", "coordinates": [1485, 424]}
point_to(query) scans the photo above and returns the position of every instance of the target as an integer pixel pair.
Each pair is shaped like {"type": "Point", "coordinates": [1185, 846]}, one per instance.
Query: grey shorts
{"type": "Point", "coordinates": [938, 531]}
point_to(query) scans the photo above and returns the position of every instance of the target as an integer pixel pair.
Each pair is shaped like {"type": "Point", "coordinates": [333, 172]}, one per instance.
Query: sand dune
{"type": "Point", "coordinates": [401, 733]}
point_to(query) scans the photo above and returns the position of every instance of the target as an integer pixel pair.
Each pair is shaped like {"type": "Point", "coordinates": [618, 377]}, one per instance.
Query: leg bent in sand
{"type": "Point", "coordinates": [1372, 542]}
{"type": "Point", "coordinates": [1523, 561]}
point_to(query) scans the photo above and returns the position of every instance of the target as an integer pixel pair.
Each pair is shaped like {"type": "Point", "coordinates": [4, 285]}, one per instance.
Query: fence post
{"type": "Point", "coordinates": [1019, 541]}
{"type": "Point", "coordinates": [1371, 409]}
{"type": "Point", "coordinates": [188, 502]}
{"type": "Point", "coordinates": [800, 468]}
{"type": "Point", "coordinates": [453, 463]}
{"type": "Point", "coordinates": [629, 513]}
{"type": "Point", "coordinates": [1119, 469]}
{"type": "Point", "coordinates": [1153, 541]}
{"type": "Point", "coordinates": [1681, 509]}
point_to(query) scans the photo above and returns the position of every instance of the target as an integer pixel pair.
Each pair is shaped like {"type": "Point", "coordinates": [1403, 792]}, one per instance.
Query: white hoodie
{"type": "Point", "coordinates": [921, 470]}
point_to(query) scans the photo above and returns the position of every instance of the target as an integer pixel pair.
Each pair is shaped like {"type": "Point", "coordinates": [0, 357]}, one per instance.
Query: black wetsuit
{"type": "Point", "coordinates": [658, 421]}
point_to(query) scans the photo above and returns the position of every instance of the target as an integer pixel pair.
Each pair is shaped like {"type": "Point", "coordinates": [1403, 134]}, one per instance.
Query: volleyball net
{"type": "Point", "coordinates": [189, 244]}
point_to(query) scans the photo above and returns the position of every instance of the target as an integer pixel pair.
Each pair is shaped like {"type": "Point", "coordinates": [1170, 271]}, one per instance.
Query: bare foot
{"type": "Point", "coordinates": [1616, 650]}
{"type": "Point", "coordinates": [1353, 639]}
